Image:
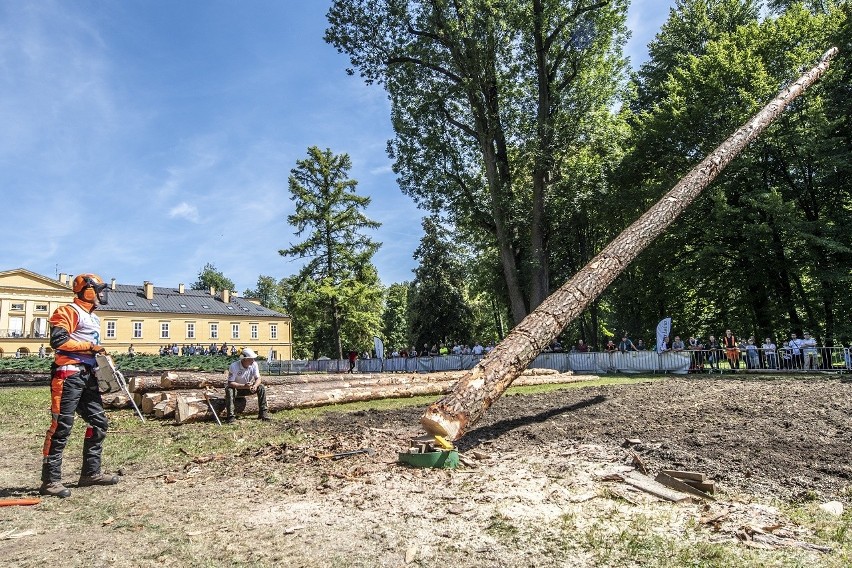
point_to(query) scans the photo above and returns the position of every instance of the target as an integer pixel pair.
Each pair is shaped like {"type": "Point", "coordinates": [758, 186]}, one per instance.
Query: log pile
{"type": "Point", "coordinates": [188, 397]}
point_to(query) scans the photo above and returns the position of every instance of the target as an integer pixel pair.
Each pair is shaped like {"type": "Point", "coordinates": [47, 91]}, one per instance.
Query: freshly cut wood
{"type": "Point", "coordinates": [655, 488]}
{"type": "Point", "coordinates": [679, 485]}
{"type": "Point", "coordinates": [679, 474]}
{"type": "Point", "coordinates": [149, 400]}
{"type": "Point", "coordinates": [165, 408]}
{"type": "Point", "coordinates": [143, 383]}
{"type": "Point", "coordinates": [708, 486]}
{"type": "Point", "coordinates": [116, 400]}
{"type": "Point", "coordinates": [474, 394]}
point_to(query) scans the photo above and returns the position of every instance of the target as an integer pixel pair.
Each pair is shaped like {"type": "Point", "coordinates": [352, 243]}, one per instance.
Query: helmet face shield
{"type": "Point", "coordinates": [101, 293]}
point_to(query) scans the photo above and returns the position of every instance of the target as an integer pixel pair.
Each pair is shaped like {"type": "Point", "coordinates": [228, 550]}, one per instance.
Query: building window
{"type": "Point", "coordinates": [214, 331]}
{"type": "Point", "coordinates": [40, 327]}
{"type": "Point", "coordinates": [137, 330]}
{"type": "Point", "coordinates": [164, 330]}
{"type": "Point", "coordinates": [16, 307]}
{"type": "Point", "coordinates": [235, 331]}
{"type": "Point", "coordinates": [254, 331]}
{"type": "Point", "coordinates": [110, 330]}
{"type": "Point", "coordinates": [16, 327]}
{"type": "Point", "coordinates": [41, 307]}
{"type": "Point", "coordinates": [190, 330]}
{"type": "Point", "coordinates": [273, 331]}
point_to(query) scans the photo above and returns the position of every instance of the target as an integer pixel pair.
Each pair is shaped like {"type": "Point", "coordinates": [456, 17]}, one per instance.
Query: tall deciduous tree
{"type": "Point", "coordinates": [488, 98]}
{"type": "Point", "coordinates": [338, 282]}
{"type": "Point", "coordinates": [209, 277]}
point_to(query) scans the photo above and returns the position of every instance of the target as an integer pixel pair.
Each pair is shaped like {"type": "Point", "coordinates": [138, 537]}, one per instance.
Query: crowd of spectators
{"type": "Point", "coordinates": [727, 351]}
{"type": "Point", "coordinates": [199, 349]}
{"type": "Point", "coordinates": [440, 348]}
{"type": "Point", "coordinates": [739, 353]}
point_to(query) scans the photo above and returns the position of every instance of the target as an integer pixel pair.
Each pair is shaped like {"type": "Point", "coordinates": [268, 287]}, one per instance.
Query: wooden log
{"type": "Point", "coordinates": [474, 394]}
{"type": "Point", "coordinates": [143, 383]}
{"type": "Point", "coordinates": [149, 400]}
{"type": "Point", "coordinates": [708, 486]}
{"type": "Point", "coordinates": [679, 474]}
{"type": "Point", "coordinates": [181, 380]}
{"type": "Point", "coordinates": [165, 408]}
{"type": "Point", "coordinates": [655, 488]}
{"type": "Point", "coordinates": [191, 406]}
{"type": "Point", "coordinates": [679, 485]}
{"type": "Point", "coordinates": [116, 400]}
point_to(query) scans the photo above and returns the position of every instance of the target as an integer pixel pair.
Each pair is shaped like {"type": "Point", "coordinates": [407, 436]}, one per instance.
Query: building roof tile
{"type": "Point", "coordinates": [130, 298]}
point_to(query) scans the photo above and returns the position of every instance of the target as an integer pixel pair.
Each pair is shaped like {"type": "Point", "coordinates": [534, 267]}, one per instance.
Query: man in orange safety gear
{"type": "Point", "coordinates": [75, 338]}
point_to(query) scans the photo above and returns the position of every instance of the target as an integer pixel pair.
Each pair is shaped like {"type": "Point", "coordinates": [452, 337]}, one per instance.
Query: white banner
{"type": "Point", "coordinates": [380, 348]}
{"type": "Point", "coordinates": [664, 328]}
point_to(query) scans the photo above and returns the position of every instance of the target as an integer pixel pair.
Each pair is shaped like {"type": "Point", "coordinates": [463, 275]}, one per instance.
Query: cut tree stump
{"type": "Point", "coordinates": [474, 394]}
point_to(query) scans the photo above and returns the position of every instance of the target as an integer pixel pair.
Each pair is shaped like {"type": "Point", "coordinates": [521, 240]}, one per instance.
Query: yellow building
{"type": "Point", "coordinates": [145, 316]}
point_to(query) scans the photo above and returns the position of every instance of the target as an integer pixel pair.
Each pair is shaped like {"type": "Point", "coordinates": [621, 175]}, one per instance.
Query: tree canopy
{"type": "Point", "coordinates": [209, 277]}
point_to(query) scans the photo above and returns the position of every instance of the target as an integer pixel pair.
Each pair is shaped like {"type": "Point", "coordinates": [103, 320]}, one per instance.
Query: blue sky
{"type": "Point", "coordinates": [143, 139]}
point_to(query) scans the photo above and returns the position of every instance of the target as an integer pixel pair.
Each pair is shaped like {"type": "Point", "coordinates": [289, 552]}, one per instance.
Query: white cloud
{"type": "Point", "coordinates": [186, 211]}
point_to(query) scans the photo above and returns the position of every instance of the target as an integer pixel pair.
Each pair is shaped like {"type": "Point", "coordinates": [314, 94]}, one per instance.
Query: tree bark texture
{"type": "Point", "coordinates": [474, 394]}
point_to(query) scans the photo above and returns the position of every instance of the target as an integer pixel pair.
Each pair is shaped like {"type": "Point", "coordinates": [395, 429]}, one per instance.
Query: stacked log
{"type": "Point", "coordinates": [184, 396]}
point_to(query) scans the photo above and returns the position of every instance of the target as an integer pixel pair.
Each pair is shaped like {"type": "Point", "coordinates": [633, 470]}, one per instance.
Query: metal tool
{"type": "Point", "coordinates": [213, 410]}
{"type": "Point", "coordinates": [341, 455]}
{"type": "Point", "coordinates": [110, 379]}
{"type": "Point", "coordinates": [368, 451]}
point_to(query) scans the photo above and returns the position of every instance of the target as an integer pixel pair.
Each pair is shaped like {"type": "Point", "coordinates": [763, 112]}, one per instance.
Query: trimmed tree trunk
{"type": "Point", "coordinates": [143, 383]}
{"type": "Point", "coordinates": [479, 388]}
{"type": "Point", "coordinates": [191, 407]}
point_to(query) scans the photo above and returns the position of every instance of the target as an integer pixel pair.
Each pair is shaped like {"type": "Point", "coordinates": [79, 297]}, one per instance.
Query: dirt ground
{"type": "Point", "coordinates": [543, 493]}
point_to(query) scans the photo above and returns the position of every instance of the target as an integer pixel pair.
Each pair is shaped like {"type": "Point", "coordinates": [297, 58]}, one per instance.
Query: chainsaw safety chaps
{"type": "Point", "coordinates": [74, 392]}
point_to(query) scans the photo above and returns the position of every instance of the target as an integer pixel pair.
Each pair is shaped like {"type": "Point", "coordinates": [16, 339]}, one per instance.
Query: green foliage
{"type": "Point", "coordinates": [438, 310]}
{"type": "Point", "coordinates": [490, 102]}
{"type": "Point", "coordinates": [394, 317]}
{"type": "Point", "coordinates": [269, 292]}
{"type": "Point", "coordinates": [210, 277]}
{"type": "Point", "coordinates": [335, 300]}
{"type": "Point", "coordinates": [766, 250]}
{"type": "Point", "coordinates": [141, 362]}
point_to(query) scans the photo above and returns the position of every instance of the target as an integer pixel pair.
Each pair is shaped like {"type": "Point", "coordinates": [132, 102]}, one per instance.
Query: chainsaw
{"type": "Point", "coordinates": [110, 380]}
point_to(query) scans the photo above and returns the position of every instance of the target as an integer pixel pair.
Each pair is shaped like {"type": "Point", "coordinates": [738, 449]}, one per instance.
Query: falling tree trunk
{"type": "Point", "coordinates": [485, 383]}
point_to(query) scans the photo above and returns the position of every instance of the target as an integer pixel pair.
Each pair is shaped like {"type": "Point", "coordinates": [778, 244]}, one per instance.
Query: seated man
{"type": "Point", "coordinates": [244, 379]}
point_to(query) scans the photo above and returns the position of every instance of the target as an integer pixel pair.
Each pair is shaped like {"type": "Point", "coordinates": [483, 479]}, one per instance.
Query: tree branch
{"type": "Point", "coordinates": [437, 68]}
{"type": "Point", "coordinates": [560, 27]}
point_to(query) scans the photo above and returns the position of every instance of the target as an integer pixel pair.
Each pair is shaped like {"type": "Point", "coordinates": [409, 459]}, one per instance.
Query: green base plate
{"type": "Point", "coordinates": [444, 458]}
